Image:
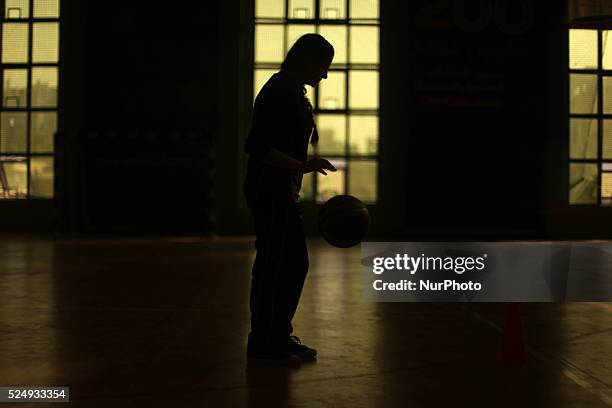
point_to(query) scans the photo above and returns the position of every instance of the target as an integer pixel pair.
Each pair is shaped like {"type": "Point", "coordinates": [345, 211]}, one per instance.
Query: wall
{"type": "Point", "coordinates": [473, 107]}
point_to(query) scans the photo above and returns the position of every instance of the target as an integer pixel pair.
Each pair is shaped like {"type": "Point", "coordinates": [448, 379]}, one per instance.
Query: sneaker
{"type": "Point", "coordinates": [304, 352]}
{"type": "Point", "coordinates": [272, 358]}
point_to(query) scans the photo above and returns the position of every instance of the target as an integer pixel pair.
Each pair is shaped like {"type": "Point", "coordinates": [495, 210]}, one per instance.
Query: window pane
{"type": "Point", "coordinates": [606, 188]}
{"type": "Point", "coordinates": [45, 42]}
{"type": "Point", "coordinates": [337, 36]}
{"type": "Point", "coordinates": [41, 177]}
{"type": "Point", "coordinates": [364, 44]}
{"type": "Point", "coordinates": [583, 183]}
{"type": "Point", "coordinates": [301, 9]}
{"type": "Point", "coordinates": [607, 94]}
{"type": "Point", "coordinates": [269, 43]}
{"type": "Point", "coordinates": [363, 134]}
{"type": "Point", "coordinates": [332, 134]}
{"type": "Point", "coordinates": [43, 128]}
{"type": "Point", "coordinates": [46, 8]}
{"type": "Point", "coordinates": [607, 139]}
{"type": "Point", "coordinates": [260, 79]}
{"type": "Point", "coordinates": [13, 133]}
{"type": "Point", "coordinates": [363, 90]}
{"type": "Point", "coordinates": [583, 49]}
{"type": "Point", "coordinates": [13, 179]}
{"type": "Point", "coordinates": [583, 138]}
{"type": "Point", "coordinates": [333, 183]}
{"type": "Point", "coordinates": [583, 93]}
{"type": "Point", "coordinates": [44, 87]}
{"type": "Point", "coordinates": [270, 8]}
{"type": "Point", "coordinates": [606, 57]}
{"type": "Point", "coordinates": [307, 190]}
{"type": "Point", "coordinates": [15, 88]}
{"type": "Point", "coordinates": [332, 91]}
{"type": "Point", "coordinates": [362, 180]}
{"type": "Point", "coordinates": [14, 43]}
{"type": "Point", "coordinates": [295, 31]}
{"type": "Point", "coordinates": [364, 8]}
{"type": "Point", "coordinates": [16, 9]}
{"type": "Point", "coordinates": [332, 9]}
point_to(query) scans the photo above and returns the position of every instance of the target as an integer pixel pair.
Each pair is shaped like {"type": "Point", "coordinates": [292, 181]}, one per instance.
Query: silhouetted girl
{"type": "Point", "coordinates": [277, 146]}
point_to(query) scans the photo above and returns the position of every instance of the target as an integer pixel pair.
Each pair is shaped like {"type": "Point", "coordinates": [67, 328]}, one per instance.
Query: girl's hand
{"type": "Point", "coordinates": [318, 164]}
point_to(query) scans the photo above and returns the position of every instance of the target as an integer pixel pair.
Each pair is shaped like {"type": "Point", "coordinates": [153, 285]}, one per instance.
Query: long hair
{"type": "Point", "coordinates": [308, 48]}
{"type": "Point", "coordinates": [315, 133]}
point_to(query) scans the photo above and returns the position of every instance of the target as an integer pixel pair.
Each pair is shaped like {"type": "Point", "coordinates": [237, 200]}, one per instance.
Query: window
{"type": "Point", "coordinates": [346, 104]}
{"type": "Point", "coordinates": [29, 57]}
{"type": "Point", "coordinates": [590, 122]}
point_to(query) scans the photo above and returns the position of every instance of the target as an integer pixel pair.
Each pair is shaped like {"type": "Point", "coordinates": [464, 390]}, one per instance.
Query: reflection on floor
{"type": "Point", "coordinates": [161, 322]}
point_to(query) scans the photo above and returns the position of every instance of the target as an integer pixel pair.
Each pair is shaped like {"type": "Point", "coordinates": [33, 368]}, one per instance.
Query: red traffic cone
{"type": "Point", "coordinates": [513, 343]}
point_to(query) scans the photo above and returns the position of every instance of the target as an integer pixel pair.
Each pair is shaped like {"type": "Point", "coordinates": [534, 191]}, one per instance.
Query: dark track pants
{"type": "Point", "coordinates": [278, 274]}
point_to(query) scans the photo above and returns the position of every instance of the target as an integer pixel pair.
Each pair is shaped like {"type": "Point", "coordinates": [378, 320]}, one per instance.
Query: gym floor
{"type": "Point", "coordinates": [162, 322]}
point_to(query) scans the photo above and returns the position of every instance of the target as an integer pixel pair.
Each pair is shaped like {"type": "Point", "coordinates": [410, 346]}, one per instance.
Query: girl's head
{"type": "Point", "coordinates": [309, 58]}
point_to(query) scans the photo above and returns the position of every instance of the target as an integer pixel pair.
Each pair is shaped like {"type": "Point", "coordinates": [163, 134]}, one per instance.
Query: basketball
{"type": "Point", "coordinates": [344, 221]}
